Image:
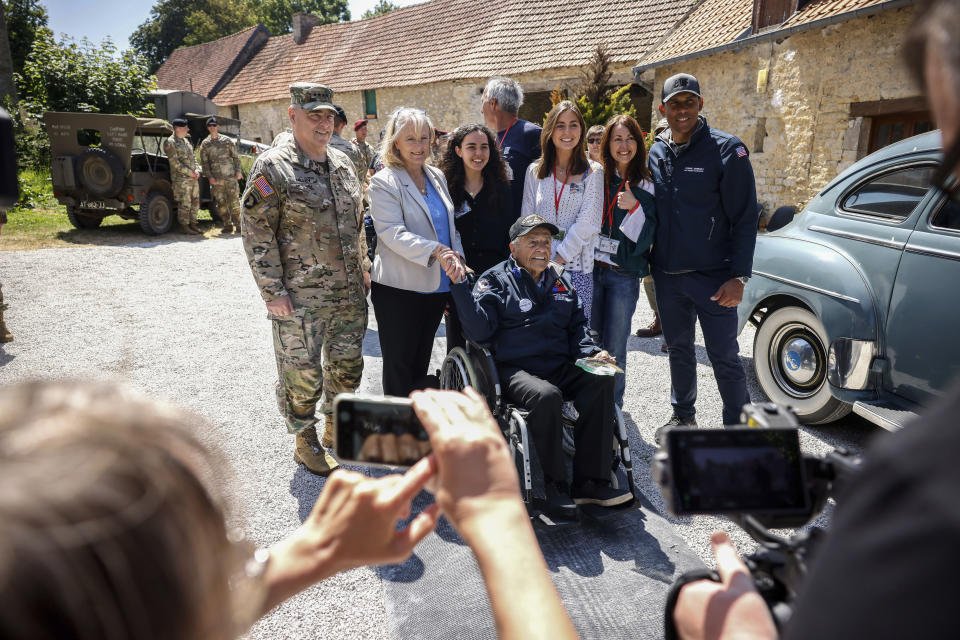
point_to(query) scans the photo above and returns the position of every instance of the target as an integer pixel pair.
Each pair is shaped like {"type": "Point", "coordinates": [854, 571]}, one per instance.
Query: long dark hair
{"type": "Point", "coordinates": [494, 174]}
{"type": "Point", "coordinates": [637, 167]}
{"type": "Point", "coordinates": [578, 163]}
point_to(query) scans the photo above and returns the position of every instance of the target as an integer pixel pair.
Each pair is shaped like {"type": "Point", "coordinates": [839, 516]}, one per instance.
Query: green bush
{"type": "Point", "coordinates": [36, 191]}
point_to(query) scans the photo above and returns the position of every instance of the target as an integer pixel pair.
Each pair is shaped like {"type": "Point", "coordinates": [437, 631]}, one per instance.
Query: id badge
{"type": "Point", "coordinates": [608, 245]}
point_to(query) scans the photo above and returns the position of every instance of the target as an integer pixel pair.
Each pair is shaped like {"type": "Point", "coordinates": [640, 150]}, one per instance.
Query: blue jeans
{"type": "Point", "coordinates": [615, 295]}
{"type": "Point", "coordinates": [683, 299]}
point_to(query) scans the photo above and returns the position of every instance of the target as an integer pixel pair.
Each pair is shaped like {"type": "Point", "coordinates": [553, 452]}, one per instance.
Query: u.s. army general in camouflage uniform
{"type": "Point", "coordinates": [221, 164]}
{"type": "Point", "coordinates": [184, 173]}
{"type": "Point", "coordinates": [303, 235]}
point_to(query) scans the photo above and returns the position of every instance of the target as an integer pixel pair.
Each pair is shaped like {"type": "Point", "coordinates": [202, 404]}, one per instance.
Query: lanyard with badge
{"type": "Point", "coordinates": [557, 197]}
{"type": "Point", "coordinates": [606, 245]}
{"type": "Point", "coordinates": [504, 153]}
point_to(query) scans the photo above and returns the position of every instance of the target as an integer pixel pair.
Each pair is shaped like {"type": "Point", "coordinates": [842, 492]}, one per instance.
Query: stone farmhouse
{"type": "Point", "coordinates": [436, 56]}
{"type": "Point", "coordinates": [811, 86]}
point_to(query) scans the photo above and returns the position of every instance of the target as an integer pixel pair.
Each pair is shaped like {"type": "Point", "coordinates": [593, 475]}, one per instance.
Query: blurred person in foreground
{"type": "Point", "coordinates": [477, 178]}
{"type": "Point", "coordinates": [418, 251]}
{"type": "Point", "coordinates": [622, 256]}
{"type": "Point", "coordinates": [885, 568]}
{"type": "Point", "coordinates": [113, 521]}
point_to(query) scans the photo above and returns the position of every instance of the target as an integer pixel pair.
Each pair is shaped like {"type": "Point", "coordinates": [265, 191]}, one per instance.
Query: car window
{"type": "Point", "coordinates": [948, 217]}
{"type": "Point", "coordinates": [892, 195]}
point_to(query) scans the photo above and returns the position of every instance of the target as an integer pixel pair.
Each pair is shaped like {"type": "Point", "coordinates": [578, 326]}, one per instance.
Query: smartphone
{"type": "Point", "coordinates": [736, 471]}
{"type": "Point", "coordinates": [377, 431]}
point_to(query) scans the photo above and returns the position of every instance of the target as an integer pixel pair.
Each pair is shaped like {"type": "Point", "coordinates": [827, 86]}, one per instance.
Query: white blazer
{"type": "Point", "coordinates": [406, 237]}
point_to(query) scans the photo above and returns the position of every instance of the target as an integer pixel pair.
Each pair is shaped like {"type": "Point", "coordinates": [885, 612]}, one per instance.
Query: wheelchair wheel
{"type": "Point", "coordinates": [457, 371]}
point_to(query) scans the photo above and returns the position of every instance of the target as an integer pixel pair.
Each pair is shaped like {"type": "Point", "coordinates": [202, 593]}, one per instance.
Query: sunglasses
{"type": "Point", "coordinates": [211, 126]}
{"type": "Point", "coordinates": [593, 140]}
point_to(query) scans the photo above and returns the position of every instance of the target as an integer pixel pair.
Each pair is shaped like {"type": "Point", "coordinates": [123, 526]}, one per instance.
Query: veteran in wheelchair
{"type": "Point", "coordinates": [527, 311]}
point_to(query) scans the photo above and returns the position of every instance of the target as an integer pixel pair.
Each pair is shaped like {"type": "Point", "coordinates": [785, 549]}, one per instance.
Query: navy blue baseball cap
{"type": "Point", "coordinates": [680, 83]}
{"type": "Point", "coordinates": [178, 122]}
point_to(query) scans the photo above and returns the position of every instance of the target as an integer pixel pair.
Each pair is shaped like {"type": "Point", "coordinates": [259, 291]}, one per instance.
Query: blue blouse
{"type": "Point", "coordinates": [438, 213]}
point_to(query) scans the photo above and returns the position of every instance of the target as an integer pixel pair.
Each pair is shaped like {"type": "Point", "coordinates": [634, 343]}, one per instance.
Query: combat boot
{"type": "Point", "coordinates": [193, 227]}
{"type": "Point", "coordinates": [310, 454]}
{"type": "Point", "coordinates": [183, 229]}
{"type": "Point", "coordinates": [227, 228]}
{"type": "Point", "coordinates": [5, 335]}
{"type": "Point", "coordinates": [327, 439]}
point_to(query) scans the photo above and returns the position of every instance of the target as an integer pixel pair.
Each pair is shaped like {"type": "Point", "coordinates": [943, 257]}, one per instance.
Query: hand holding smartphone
{"type": "Point", "coordinates": [378, 431]}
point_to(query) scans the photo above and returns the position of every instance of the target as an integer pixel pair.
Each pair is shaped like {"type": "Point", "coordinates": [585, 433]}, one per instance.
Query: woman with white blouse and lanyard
{"type": "Point", "coordinates": [566, 188]}
{"type": "Point", "coordinates": [626, 235]}
{"type": "Point", "coordinates": [418, 251]}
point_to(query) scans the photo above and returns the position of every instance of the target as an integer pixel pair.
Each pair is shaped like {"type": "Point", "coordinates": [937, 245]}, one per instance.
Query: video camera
{"type": "Point", "coordinates": [757, 476]}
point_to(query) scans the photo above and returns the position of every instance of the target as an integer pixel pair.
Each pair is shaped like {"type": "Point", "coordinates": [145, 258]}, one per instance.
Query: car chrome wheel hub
{"type": "Point", "coordinates": [797, 360]}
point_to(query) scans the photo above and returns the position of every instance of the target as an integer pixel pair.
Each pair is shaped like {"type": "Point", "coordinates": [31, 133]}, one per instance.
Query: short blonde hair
{"type": "Point", "coordinates": [399, 119]}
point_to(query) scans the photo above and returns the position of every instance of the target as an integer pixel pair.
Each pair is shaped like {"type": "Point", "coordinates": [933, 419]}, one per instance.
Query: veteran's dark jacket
{"type": "Point", "coordinates": [529, 327]}
{"type": "Point", "coordinates": [707, 208]}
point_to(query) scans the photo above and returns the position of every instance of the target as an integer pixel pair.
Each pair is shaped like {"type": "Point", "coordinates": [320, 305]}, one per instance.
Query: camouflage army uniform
{"type": "Point", "coordinates": [366, 152]}
{"type": "Point", "coordinates": [302, 233]}
{"type": "Point", "coordinates": [341, 144]}
{"type": "Point", "coordinates": [186, 190]}
{"type": "Point", "coordinates": [220, 160]}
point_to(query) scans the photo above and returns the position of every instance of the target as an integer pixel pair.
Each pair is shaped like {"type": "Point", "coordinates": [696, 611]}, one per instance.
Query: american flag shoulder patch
{"type": "Point", "coordinates": [741, 151]}
{"type": "Point", "coordinates": [263, 186]}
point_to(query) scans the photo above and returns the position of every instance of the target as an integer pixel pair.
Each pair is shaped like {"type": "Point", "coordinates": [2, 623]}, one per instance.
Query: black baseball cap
{"type": "Point", "coordinates": [212, 120]}
{"type": "Point", "coordinates": [680, 83]}
{"type": "Point", "coordinates": [178, 122]}
{"type": "Point", "coordinates": [341, 114]}
{"type": "Point", "coordinates": [526, 224]}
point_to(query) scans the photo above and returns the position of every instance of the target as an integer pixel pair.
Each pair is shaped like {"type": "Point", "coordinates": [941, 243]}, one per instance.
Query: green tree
{"type": "Point", "coordinates": [71, 76]}
{"type": "Point", "coordinates": [277, 15]}
{"type": "Point", "coordinates": [166, 30]}
{"type": "Point", "coordinates": [380, 9]}
{"type": "Point", "coordinates": [220, 18]}
{"type": "Point", "coordinates": [24, 19]}
{"type": "Point", "coordinates": [612, 104]}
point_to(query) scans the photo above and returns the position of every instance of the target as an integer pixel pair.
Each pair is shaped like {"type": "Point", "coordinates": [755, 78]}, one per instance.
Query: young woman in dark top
{"type": "Point", "coordinates": [477, 179]}
{"type": "Point", "coordinates": [626, 235]}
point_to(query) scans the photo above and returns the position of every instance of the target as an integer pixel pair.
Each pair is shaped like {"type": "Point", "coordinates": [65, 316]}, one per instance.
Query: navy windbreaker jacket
{"type": "Point", "coordinates": [707, 209]}
{"type": "Point", "coordinates": [529, 327]}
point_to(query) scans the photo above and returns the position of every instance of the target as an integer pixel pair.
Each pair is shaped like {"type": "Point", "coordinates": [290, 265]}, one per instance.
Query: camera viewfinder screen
{"type": "Point", "coordinates": [738, 470]}
{"type": "Point", "coordinates": [379, 431]}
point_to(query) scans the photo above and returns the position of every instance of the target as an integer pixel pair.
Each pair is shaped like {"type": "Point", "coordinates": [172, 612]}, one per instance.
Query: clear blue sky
{"type": "Point", "coordinates": [97, 19]}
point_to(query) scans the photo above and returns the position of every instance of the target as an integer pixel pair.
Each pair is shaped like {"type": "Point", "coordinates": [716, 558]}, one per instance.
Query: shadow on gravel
{"type": "Point", "coordinates": [130, 234]}
{"type": "Point", "coordinates": [5, 357]}
{"type": "Point", "coordinates": [371, 343]}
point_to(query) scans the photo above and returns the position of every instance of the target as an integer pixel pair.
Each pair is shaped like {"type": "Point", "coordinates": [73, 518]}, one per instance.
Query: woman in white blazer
{"type": "Point", "coordinates": [566, 188]}
{"type": "Point", "coordinates": [418, 251]}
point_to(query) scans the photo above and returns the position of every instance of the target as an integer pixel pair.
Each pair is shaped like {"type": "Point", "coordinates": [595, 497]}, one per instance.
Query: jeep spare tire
{"type": "Point", "coordinates": [101, 172]}
{"type": "Point", "coordinates": [156, 214]}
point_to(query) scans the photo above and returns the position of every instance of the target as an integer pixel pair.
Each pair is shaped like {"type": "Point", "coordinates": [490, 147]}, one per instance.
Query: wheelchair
{"type": "Point", "coordinates": [475, 366]}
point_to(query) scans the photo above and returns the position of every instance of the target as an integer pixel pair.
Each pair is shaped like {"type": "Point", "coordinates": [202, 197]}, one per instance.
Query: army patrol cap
{"type": "Point", "coordinates": [526, 224]}
{"type": "Point", "coordinates": [178, 122]}
{"type": "Point", "coordinates": [311, 96]}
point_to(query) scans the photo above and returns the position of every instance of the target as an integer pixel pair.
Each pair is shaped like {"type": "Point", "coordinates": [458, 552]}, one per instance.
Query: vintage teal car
{"type": "Point", "coordinates": [856, 300]}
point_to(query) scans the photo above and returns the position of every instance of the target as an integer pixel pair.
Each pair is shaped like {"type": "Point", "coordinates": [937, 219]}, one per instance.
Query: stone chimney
{"type": "Point", "coordinates": [302, 23]}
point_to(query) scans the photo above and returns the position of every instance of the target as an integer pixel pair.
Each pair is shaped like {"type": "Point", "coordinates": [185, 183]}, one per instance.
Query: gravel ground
{"type": "Point", "coordinates": [182, 320]}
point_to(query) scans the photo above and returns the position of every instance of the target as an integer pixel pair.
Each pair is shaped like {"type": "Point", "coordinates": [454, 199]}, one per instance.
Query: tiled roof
{"type": "Point", "coordinates": [454, 39]}
{"type": "Point", "coordinates": [719, 22]}
{"type": "Point", "coordinates": [201, 68]}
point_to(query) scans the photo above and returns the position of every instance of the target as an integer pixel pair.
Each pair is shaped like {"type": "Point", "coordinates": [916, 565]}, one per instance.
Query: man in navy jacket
{"type": "Point", "coordinates": [703, 252]}
{"type": "Point", "coordinates": [527, 308]}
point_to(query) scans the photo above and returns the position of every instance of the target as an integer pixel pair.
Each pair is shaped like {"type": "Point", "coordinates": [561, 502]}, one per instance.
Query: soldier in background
{"type": "Point", "coordinates": [5, 335]}
{"type": "Point", "coordinates": [363, 147]}
{"type": "Point", "coordinates": [221, 164]}
{"type": "Point", "coordinates": [303, 236]}
{"type": "Point", "coordinates": [367, 155]}
{"type": "Point", "coordinates": [184, 173]}
{"type": "Point", "coordinates": [340, 143]}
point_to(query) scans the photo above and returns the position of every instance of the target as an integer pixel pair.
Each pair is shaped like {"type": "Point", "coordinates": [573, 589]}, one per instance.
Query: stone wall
{"type": "Point", "coordinates": [449, 104]}
{"type": "Point", "coordinates": [799, 128]}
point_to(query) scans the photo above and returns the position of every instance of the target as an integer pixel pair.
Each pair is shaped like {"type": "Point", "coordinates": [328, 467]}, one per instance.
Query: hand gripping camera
{"type": "Point", "coordinates": [757, 476]}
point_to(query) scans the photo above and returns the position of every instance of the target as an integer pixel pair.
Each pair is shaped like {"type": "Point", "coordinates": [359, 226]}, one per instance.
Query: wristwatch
{"type": "Point", "coordinates": [743, 279]}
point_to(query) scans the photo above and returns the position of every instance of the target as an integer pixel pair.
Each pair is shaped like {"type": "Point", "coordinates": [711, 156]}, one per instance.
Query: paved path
{"type": "Point", "coordinates": [183, 320]}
